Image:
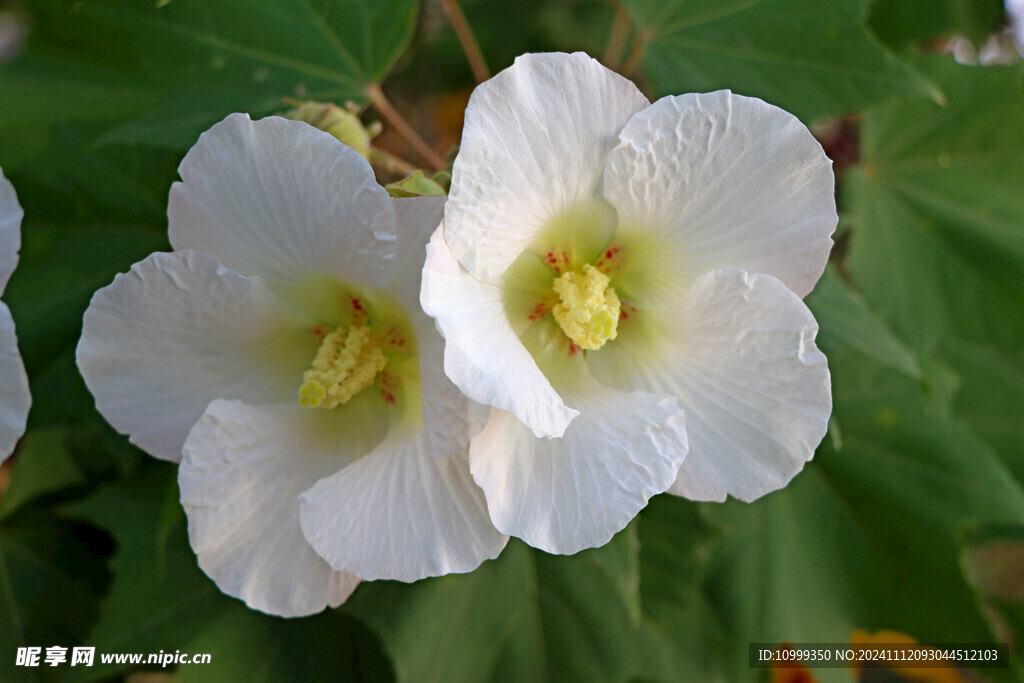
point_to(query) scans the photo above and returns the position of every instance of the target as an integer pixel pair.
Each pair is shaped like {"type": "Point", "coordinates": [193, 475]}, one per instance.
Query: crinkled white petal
{"type": "Point", "coordinates": [15, 399]}
{"type": "Point", "coordinates": [178, 331]}
{"type": "Point", "coordinates": [755, 388]}
{"type": "Point", "coordinates": [727, 182]}
{"type": "Point", "coordinates": [400, 513]}
{"type": "Point", "coordinates": [445, 408]}
{"type": "Point", "coordinates": [243, 472]}
{"type": "Point", "coordinates": [10, 230]}
{"type": "Point", "coordinates": [284, 201]}
{"type": "Point", "coordinates": [534, 144]}
{"type": "Point", "coordinates": [563, 495]}
{"type": "Point", "coordinates": [482, 354]}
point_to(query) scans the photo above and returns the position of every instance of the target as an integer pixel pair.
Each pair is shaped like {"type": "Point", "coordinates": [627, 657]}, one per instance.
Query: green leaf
{"type": "Point", "coordinates": [65, 180]}
{"type": "Point", "coordinates": [161, 601]}
{"type": "Point", "coordinates": [990, 396]}
{"type": "Point", "coordinates": [901, 22]}
{"type": "Point", "coordinates": [845, 320]}
{"type": "Point", "coordinates": [675, 550]}
{"type": "Point", "coordinates": [912, 476]}
{"type": "Point", "coordinates": [43, 466]}
{"type": "Point", "coordinates": [867, 536]}
{"type": "Point", "coordinates": [47, 90]}
{"type": "Point", "coordinates": [809, 57]}
{"type": "Point", "coordinates": [248, 646]}
{"type": "Point", "coordinates": [60, 269]}
{"type": "Point", "coordinates": [72, 69]}
{"type": "Point", "coordinates": [51, 572]}
{"type": "Point", "coordinates": [418, 184]}
{"type": "Point", "coordinates": [159, 598]}
{"type": "Point", "coordinates": [938, 242]}
{"type": "Point", "coordinates": [212, 59]}
{"type": "Point", "coordinates": [788, 568]}
{"type": "Point", "coordinates": [523, 616]}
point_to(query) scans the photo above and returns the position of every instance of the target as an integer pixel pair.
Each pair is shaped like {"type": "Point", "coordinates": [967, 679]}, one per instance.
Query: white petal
{"type": "Point", "coordinates": [416, 219]}
{"type": "Point", "coordinates": [176, 332]}
{"type": "Point", "coordinates": [285, 201]}
{"type": "Point", "coordinates": [243, 472]}
{"type": "Point", "coordinates": [534, 144]}
{"type": "Point", "coordinates": [563, 495]}
{"type": "Point", "coordinates": [400, 513]}
{"type": "Point", "coordinates": [445, 408]}
{"type": "Point", "coordinates": [10, 230]}
{"type": "Point", "coordinates": [482, 354]}
{"type": "Point", "coordinates": [730, 182]}
{"type": "Point", "coordinates": [15, 399]}
{"type": "Point", "coordinates": [755, 388]}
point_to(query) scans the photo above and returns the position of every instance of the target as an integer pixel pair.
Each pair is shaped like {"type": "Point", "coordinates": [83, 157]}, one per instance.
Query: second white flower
{"type": "Point", "coordinates": [609, 270]}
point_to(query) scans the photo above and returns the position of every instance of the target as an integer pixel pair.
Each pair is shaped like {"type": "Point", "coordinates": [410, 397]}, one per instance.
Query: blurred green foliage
{"type": "Point", "coordinates": [908, 518]}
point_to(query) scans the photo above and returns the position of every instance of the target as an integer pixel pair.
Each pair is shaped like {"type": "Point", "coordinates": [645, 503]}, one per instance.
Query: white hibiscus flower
{"type": "Point", "coordinates": [606, 267]}
{"type": "Point", "coordinates": [282, 350]}
{"type": "Point", "coordinates": [15, 399]}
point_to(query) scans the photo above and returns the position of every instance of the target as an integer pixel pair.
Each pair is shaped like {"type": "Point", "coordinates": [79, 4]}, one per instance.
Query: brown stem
{"type": "Point", "coordinates": [468, 41]}
{"type": "Point", "coordinates": [384, 106]}
{"type": "Point", "coordinates": [616, 38]}
{"type": "Point", "coordinates": [390, 162]}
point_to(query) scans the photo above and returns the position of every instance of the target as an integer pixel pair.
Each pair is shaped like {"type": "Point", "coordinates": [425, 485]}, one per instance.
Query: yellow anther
{"type": "Point", "coordinates": [588, 311]}
{"type": "Point", "coordinates": [345, 364]}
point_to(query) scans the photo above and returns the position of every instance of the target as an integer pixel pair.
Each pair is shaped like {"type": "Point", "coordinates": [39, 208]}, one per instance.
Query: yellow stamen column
{"type": "Point", "coordinates": [588, 309]}
{"type": "Point", "coordinates": [345, 364]}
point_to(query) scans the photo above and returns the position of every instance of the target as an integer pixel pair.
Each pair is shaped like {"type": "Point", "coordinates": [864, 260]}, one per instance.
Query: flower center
{"type": "Point", "coordinates": [345, 364]}
{"type": "Point", "coordinates": [588, 310]}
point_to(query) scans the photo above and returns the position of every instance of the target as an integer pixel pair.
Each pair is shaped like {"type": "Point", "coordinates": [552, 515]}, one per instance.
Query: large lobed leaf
{"type": "Point", "coordinates": [990, 396]}
{"type": "Point", "coordinates": [868, 536]}
{"type": "Point", "coordinates": [214, 58]}
{"type": "Point", "coordinates": [159, 600]}
{"type": "Point", "coordinates": [900, 22]}
{"type": "Point", "coordinates": [938, 243]}
{"type": "Point", "coordinates": [169, 70]}
{"type": "Point", "coordinates": [809, 57]}
{"type": "Point", "coordinates": [846, 320]}
{"type": "Point", "coordinates": [524, 616]}
{"type": "Point", "coordinates": [51, 575]}
{"type": "Point", "coordinates": [60, 269]}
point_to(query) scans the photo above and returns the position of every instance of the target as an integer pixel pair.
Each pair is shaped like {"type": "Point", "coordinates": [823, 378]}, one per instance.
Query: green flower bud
{"type": "Point", "coordinates": [341, 122]}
